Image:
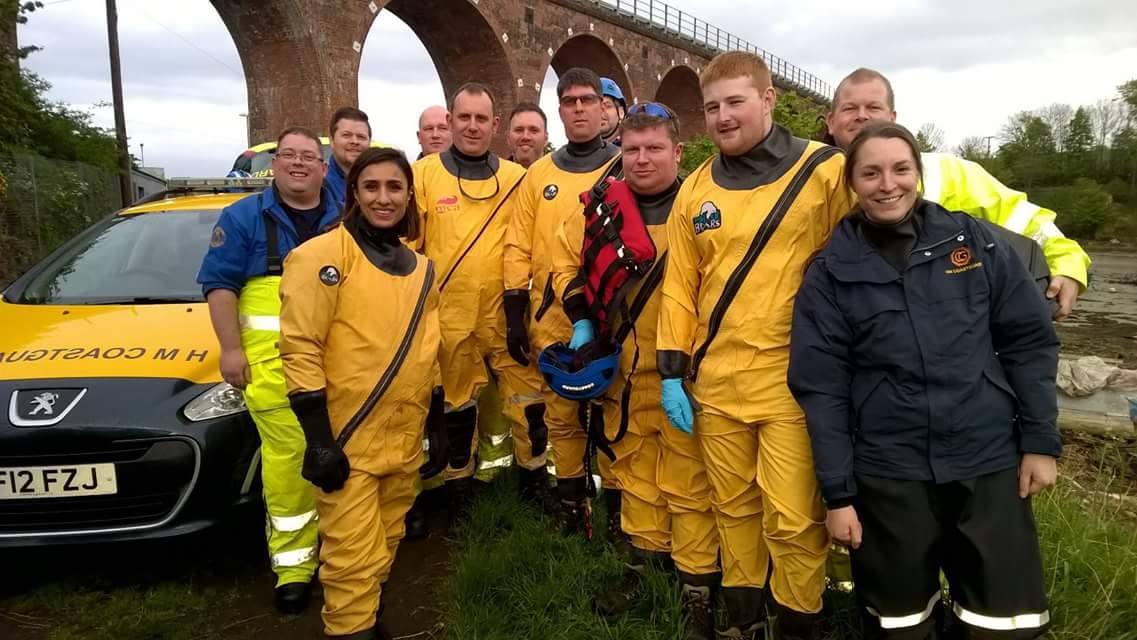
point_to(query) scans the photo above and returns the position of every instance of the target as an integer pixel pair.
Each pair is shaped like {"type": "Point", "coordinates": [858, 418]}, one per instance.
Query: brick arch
{"type": "Point", "coordinates": [679, 90]}
{"type": "Point", "coordinates": [589, 51]}
{"type": "Point", "coordinates": [449, 37]}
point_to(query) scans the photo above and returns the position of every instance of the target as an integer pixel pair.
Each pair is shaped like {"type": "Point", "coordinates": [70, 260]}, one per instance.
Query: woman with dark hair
{"type": "Point", "coordinates": [924, 359]}
{"type": "Point", "coordinates": [359, 339]}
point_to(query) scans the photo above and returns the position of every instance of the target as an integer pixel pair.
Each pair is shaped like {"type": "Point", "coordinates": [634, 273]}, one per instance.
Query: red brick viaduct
{"type": "Point", "coordinates": [313, 49]}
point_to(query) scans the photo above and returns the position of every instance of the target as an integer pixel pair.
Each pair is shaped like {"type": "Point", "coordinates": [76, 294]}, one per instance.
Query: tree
{"type": "Point", "coordinates": [1028, 149]}
{"type": "Point", "coordinates": [1057, 117]}
{"type": "Point", "coordinates": [972, 148]}
{"type": "Point", "coordinates": [1106, 116]}
{"type": "Point", "coordinates": [695, 153]}
{"type": "Point", "coordinates": [1125, 153]}
{"type": "Point", "coordinates": [799, 115]}
{"type": "Point", "coordinates": [930, 137]}
{"type": "Point", "coordinates": [1128, 93]}
{"type": "Point", "coordinates": [12, 13]}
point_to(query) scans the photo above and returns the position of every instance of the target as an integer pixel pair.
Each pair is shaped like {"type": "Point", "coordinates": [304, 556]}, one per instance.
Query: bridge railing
{"type": "Point", "coordinates": [663, 16]}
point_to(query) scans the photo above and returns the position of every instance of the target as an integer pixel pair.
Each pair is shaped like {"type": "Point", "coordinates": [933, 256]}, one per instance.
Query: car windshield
{"type": "Point", "coordinates": [134, 259]}
{"type": "Point", "coordinates": [258, 164]}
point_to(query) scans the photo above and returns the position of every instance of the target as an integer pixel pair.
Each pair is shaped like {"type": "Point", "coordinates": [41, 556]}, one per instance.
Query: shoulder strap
{"type": "Point", "coordinates": [477, 237]}
{"type": "Point", "coordinates": [396, 363]}
{"type": "Point", "coordinates": [275, 266]}
{"type": "Point", "coordinates": [761, 238]}
{"type": "Point", "coordinates": [650, 284]}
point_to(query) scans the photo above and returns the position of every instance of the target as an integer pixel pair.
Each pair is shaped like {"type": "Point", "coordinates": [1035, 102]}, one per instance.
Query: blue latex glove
{"type": "Point", "coordinates": [582, 334]}
{"type": "Point", "coordinates": [677, 405]}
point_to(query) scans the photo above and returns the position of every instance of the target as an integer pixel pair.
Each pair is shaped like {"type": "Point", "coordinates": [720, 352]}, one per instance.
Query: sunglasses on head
{"type": "Point", "coordinates": [653, 109]}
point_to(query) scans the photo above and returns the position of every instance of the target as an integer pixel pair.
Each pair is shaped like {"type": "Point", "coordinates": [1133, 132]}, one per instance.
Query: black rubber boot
{"type": "Point", "coordinates": [459, 495]}
{"type": "Point", "coordinates": [535, 490]}
{"type": "Point", "coordinates": [418, 527]}
{"type": "Point", "coordinates": [613, 502]}
{"type": "Point", "coordinates": [381, 632]}
{"type": "Point", "coordinates": [699, 593]}
{"type": "Point", "coordinates": [624, 595]}
{"type": "Point", "coordinates": [746, 613]}
{"type": "Point", "coordinates": [292, 599]}
{"type": "Point", "coordinates": [795, 625]}
{"type": "Point", "coordinates": [574, 512]}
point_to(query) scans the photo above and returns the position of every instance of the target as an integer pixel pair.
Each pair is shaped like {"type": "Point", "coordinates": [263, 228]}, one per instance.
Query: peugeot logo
{"type": "Point", "coordinates": [42, 407]}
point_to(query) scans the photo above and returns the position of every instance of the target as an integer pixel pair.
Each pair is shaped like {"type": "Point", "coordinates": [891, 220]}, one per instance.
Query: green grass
{"type": "Point", "coordinates": [168, 611]}
{"type": "Point", "coordinates": [515, 576]}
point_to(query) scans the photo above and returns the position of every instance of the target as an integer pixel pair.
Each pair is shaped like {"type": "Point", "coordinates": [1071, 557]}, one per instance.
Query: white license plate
{"type": "Point", "coordinates": [57, 482]}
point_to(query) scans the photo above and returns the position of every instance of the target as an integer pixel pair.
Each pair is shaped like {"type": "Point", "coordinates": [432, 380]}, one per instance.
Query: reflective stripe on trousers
{"type": "Point", "coordinates": [1010, 623]}
{"type": "Point", "coordinates": [911, 620]}
{"type": "Point", "coordinates": [294, 558]}
{"type": "Point", "coordinates": [292, 523]}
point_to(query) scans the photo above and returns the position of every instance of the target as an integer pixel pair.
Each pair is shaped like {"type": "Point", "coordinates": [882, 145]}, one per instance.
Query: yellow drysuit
{"type": "Point", "coordinates": [751, 431]}
{"type": "Point", "coordinates": [550, 193]}
{"type": "Point", "coordinates": [344, 322]}
{"type": "Point", "coordinates": [464, 223]}
{"type": "Point", "coordinates": [666, 499]}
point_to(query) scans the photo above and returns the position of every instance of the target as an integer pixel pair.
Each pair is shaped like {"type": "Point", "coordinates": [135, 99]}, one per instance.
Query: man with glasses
{"type": "Point", "coordinates": [350, 135]}
{"type": "Point", "coordinates": [460, 194]}
{"type": "Point", "coordinates": [240, 276]}
{"type": "Point", "coordinates": [550, 193]}
{"type": "Point", "coordinates": [666, 508]}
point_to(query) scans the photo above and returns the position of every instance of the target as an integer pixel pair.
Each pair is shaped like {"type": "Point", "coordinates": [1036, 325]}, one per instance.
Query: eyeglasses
{"type": "Point", "coordinates": [653, 109]}
{"type": "Point", "coordinates": [289, 155]}
{"type": "Point", "coordinates": [586, 100]}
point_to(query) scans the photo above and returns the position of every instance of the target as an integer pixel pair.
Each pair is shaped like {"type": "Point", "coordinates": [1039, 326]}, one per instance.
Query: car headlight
{"type": "Point", "coordinates": [221, 400]}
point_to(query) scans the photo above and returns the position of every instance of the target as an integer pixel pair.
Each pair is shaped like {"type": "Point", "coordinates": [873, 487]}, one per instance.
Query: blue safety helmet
{"type": "Point", "coordinates": [608, 87]}
{"type": "Point", "coordinates": [574, 381]}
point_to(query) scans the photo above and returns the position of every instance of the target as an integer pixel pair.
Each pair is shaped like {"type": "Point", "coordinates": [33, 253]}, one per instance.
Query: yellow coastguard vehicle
{"type": "Point", "coordinates": [256, 161]}
{"type": "Point", "coordinates": [117, 424]}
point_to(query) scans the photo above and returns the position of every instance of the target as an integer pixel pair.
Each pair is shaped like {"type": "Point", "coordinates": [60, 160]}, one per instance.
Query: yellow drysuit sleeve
{"type": "Point", "coordinates": [677, 319]}
{"type": "Point", "coordinates": [518, 250]}
{"type": "Point", "coordinates": [308, 306]}
{"type": "Point", "coordinates": [418, 243]}
{"type": "Point", "coordinates": [966, 186]}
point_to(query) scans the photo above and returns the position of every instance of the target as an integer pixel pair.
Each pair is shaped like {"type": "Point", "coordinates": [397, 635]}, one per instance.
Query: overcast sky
{"type": "Point", "coordinates": [965, 64]}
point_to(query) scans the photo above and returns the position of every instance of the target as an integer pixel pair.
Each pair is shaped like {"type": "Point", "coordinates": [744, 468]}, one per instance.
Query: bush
{"type": "Point", "coordinates": [1082, 207]}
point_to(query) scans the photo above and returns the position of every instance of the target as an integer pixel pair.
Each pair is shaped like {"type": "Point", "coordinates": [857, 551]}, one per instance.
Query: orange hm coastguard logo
{"type": "Point", "coordinates": [446, 204]}
{"type": "Point", "coordinates": [961, 257]}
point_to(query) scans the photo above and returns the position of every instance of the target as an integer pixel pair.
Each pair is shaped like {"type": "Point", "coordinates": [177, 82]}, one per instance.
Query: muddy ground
{"type": "Point", "coordinates": [229, 564]}
{"type": "Point", "coordinates": [1104, 323]}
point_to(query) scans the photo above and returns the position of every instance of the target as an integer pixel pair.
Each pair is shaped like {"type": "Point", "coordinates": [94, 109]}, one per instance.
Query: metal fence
{"type": "Point", "coordinates": [664, 17]}
{"type": "Point", "coordinates": [45, 202]}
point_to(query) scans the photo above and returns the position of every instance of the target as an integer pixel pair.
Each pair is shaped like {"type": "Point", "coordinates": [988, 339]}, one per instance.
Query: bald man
{"type": "Point", "coordinates": [433, 130]}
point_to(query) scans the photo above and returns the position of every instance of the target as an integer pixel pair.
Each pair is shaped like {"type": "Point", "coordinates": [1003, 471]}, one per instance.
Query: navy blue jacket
{"type": "Point", "coordinates": [335, 181]}
{"type": "Point", "coordinates": [238, 249]}
{"type": "Point", "coordinates": [942, 373]}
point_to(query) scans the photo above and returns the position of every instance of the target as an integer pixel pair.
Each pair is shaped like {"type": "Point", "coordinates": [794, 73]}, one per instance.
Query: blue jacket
{"type": "Point", "coordinates": [335, 181]}
{"type": "Point", "coordinates": [945, 372]}
{"type": "Point", "coordinates": [238, 249]}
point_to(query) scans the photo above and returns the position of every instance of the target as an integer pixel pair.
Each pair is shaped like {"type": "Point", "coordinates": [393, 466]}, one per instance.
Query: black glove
{"type": "Point", "coordinates": [517, 325]}
{"type": "Point", "coordinates": [325, 464]}
{"type": "Point", "coordinates": [439, 453]}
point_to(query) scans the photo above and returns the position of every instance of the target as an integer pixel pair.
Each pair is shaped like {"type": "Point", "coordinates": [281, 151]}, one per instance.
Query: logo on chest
{"type": "Point", "coordinates": [962, 261]}
{"type": "Point", "coordinates": [329, 275]}
{"type": "Point", "coordinates": [551, 191]}
{"type": "Point", "coordinates": [446, 204]}
{"type": "Point", "coordinates": [710, 217]}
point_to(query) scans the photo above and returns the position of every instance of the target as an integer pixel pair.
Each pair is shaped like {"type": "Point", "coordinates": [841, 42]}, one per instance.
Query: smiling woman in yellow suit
{"type": "Point", "coordinates": [359, 339]}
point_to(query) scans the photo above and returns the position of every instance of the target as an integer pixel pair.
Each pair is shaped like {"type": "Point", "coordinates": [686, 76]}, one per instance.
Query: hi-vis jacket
{"type": "Point", "coordinates": [344, 321]}
{"type": "Point", "coordinates": [238, 250]}
{"type": "Point", "coordinates": [548, 195]}
{"type": "Point", "coordinates": [962, 185]}
{"type": "Point", "coordinates": [738, 354]}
